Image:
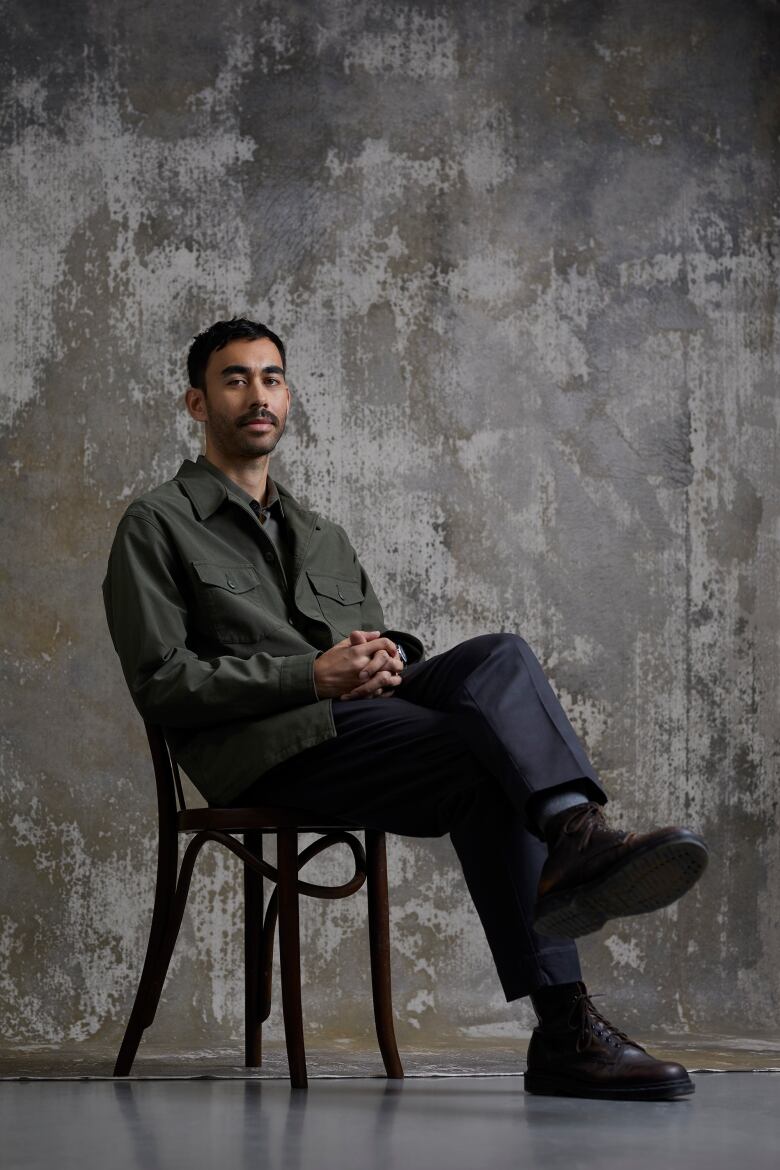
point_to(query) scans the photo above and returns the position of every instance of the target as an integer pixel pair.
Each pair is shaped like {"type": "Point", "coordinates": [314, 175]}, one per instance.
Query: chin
{"type": "Point", "coordinates": [259, 447]}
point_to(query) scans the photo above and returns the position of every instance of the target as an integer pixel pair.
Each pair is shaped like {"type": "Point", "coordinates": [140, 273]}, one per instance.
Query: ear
{"type": "Point", "coordinates": [195, 401]}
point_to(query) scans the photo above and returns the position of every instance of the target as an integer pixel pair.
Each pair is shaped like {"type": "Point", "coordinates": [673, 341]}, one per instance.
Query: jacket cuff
{"type": "Point", "coordinates": [313, 683]}
{"type": "Point", "coordinates": [297, 678]}
{"type": "Point", "coordinates": [415, 651]}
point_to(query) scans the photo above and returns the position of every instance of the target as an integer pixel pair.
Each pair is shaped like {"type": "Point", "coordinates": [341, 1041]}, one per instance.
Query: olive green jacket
{"type": "Point", "coordinates": [215, 645]}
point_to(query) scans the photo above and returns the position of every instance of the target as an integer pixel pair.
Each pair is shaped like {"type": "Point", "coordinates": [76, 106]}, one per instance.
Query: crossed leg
{"type": "Point", "coordinates": [460, 748]}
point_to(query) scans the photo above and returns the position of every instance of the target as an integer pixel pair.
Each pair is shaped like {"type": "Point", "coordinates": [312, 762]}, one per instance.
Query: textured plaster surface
{"type": "Point", "coordinates": [524, 257]}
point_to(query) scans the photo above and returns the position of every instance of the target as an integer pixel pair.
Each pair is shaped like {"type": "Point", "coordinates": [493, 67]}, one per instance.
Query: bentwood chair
{"type": "Point", "coordinates": [173, 882]}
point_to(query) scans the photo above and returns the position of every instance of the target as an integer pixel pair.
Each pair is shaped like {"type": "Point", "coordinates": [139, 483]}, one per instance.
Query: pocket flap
{"type": "Point", "coordinates": [339, 588]}
{"type": "Point", "coordinates": [235, 578]}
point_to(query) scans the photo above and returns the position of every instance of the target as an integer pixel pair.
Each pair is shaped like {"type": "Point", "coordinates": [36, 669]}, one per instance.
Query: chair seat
{"type": "Point", "coordinates": [259, 818]}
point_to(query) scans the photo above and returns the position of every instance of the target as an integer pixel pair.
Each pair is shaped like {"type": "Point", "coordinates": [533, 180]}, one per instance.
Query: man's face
{"type": "Point", "coordinates": [247, 400]}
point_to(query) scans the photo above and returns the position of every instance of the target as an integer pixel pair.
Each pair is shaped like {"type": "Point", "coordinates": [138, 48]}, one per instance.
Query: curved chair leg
{"type": "Point", "coordinates": [379, 940]}
{"type": "Point", "coordinates": [290, 954]}
{"type": "Point", "coordinates": [156, 961]}
{"type": "Point", "coordinates": [267, 958]}
{"type": "Point", "coordinates": [253, 949]}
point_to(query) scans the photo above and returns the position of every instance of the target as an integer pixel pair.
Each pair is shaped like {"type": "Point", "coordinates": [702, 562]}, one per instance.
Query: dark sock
{"type": "Point", "coordinates": [546, 805]}
{"type": "Point", "coordinates": [550, 1003]}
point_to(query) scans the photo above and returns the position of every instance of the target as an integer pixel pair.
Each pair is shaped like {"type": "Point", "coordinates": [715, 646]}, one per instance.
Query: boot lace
{"type": "Point", "coordinates": [593, 1023]}
{"type": "Point", "coordinates": [585, 819]}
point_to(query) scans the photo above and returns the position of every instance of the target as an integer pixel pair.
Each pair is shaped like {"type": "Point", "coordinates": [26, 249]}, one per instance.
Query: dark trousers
{"type": "Point", "coordinates": [461, 745]}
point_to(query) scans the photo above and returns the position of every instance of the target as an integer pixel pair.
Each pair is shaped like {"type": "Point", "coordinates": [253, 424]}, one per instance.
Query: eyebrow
{"type": "Point", "coordinates": [248, 370]}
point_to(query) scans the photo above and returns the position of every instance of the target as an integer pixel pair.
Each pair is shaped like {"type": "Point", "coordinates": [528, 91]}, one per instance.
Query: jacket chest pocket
{"type": "Point", "coordinates": [339, 599]}
{"type": "Point", "coordinates": [228, 600]}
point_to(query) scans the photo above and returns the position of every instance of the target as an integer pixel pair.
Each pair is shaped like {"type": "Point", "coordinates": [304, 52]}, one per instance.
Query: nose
{"type": "Point", "coordinates": [259, 394]}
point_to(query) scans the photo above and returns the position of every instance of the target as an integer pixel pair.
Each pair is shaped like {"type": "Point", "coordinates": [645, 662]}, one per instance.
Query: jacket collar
{"type": "Point", "coordinates": [206, 493]}
{"type": "Point", "coordinates": [207, 488]}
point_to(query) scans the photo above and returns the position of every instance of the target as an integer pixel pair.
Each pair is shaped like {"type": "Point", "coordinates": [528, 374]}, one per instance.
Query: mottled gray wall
{"type": "Point", "coordinates": [524, 255]}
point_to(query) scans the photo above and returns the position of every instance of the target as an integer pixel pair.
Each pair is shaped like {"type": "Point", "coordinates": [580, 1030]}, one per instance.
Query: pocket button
{"type": "Point", "coordinates": [231, 583]}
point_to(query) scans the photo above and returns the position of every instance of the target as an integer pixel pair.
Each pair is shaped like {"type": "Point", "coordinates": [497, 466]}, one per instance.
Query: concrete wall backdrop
{"type": "Point", "coordinates": [524, 256]}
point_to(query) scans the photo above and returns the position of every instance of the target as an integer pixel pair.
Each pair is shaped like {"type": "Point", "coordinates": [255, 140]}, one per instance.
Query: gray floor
{"type": "Point", "coordinates": [421, 1123]}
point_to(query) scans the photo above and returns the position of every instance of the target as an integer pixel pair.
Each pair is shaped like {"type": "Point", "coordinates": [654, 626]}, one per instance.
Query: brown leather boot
{"type": "Point", "coordinates": [580, 1053]}
{"type": "Point", "coordinates": [594, 873]}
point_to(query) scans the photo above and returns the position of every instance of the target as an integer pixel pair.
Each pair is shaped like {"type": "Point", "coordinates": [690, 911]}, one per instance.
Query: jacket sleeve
{"type": "Point", "coordinates": [170, 684]}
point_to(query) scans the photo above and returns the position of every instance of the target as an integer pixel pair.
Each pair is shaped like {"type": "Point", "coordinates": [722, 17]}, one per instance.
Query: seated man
{"type": "Point", "coordinates": [246, 626]}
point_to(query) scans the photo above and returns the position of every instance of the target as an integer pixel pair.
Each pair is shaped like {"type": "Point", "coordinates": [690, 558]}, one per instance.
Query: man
{"type": "Point", "coordinates": [247, 627]}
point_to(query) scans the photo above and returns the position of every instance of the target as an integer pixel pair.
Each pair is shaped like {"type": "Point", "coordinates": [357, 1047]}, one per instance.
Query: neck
{"type": "Point", "coordinates": [249, 474]}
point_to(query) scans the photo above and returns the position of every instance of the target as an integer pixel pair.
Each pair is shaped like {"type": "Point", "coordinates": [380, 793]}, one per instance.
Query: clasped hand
{"type": "Point", "coordinates": [362, 666]}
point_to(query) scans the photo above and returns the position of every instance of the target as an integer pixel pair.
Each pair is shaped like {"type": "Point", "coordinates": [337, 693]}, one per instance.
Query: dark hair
{"type": "Point", "coordinates": [217, 336]}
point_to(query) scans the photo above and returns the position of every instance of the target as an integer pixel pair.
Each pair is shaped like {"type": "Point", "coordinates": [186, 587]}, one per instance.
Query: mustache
{"type": "Point", "coordinates": [262, 416]}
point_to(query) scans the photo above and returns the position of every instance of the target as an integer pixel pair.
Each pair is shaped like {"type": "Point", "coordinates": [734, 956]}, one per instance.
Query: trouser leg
{"type": "Point", "coordinates": [508, 714]}
{"type": "Point", "coordinates": [501, 864]}
{"type": "Point", "coordinates": [404, 768]}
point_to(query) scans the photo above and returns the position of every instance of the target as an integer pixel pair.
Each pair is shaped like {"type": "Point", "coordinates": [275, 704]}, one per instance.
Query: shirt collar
{"type": "Point", "coordinates": [272, 495]}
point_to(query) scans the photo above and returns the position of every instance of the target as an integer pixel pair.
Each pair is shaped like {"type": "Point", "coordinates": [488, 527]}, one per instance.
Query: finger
{"type": "Point", "coordinates": [358, 637]}
{"type": "Point", "coordinates": [381, 661]}
{"type": "Point", "coordinates": [369, 690]}
{"type": "Point", "coordinates": [378, 643]}
{"type": "Point", "coordinates": [365, 651]}
{"type": "Point", "coordinates": [376, 663]}
{"type": "Point", "coordinates": [384, 680]}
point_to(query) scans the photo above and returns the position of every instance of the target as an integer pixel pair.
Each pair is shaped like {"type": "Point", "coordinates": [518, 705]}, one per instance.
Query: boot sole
{"type": "Point", "coordinates": [550, 1085]}
{"type": "Point", "coordinates": [645, 879]}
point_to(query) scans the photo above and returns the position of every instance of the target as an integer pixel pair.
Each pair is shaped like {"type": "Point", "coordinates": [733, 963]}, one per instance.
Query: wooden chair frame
{"type": "Point", "coordinates": [172, 888]}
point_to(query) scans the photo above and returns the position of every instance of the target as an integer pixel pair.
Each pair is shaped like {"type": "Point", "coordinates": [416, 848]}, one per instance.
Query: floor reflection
{"type": "Point", "coordinates": [452, 1122]}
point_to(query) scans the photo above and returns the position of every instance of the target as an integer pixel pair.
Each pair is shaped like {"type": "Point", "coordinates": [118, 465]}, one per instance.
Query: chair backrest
{"type": "Point", "coordinates": [170, 796]}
